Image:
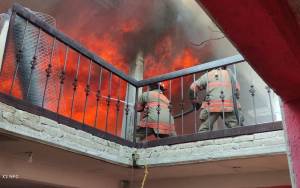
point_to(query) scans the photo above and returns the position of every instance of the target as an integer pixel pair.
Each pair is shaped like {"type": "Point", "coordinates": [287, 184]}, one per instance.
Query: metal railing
{"type": "Point", "coordinates": [47, 73]}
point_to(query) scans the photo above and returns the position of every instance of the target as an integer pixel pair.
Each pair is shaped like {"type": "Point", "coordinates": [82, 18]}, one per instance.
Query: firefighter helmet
{"type": "Point", "coordinates": [158, 85]}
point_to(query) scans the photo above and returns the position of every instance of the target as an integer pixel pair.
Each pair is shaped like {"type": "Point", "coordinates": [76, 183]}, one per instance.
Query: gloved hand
{"type": "Point", "coordinates": [196, 106]}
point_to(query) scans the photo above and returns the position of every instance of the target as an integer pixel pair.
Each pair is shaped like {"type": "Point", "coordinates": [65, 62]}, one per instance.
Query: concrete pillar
{"type": "Point", "coordinates": [137, 72]}
{"type": "Point", "coordinates": [292, 129]}
{"type": "Point", "coordinates": [4, 23]}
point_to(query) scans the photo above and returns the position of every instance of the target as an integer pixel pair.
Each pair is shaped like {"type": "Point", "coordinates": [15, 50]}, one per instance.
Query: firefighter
{"type": "Point", "coordinates": [157, 122]}
{"type": "Point", "coordinates": [219, 99]}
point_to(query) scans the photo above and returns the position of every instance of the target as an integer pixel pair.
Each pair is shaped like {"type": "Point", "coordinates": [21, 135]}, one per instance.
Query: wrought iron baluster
{"type": "Point", "coordinates": [127, 110]}
{"type": "Point", "coordinates": [207, 99]}
{"type": "Point", "coordinates": [33, 63]}
{"type": "Point", "coordinates": [252, 92]}
{"type": "Point", "coordinates": [222, 94]}
{"type": "Point", "coordinates": [98, 96]}
{"type": "Point", "coordinates": [49, 70]}
{"type": "Point", "coordinates": [158, 109]}
{"type": "Point", "coordinates": [195, 110]}
{"type": "Point", "coordinates": [181, 103]}
{"type": "Point", "coordinates": [135, 115]}
{"type": "Point", "coordinates": [108, 101]}
{"type": "Point", "coordinates": [270, 101]}
{"type": "Point", "coordinates": [18, 57]}
{"type": "Point", "coordinates": [146, 111]}
{"type": "Point", "coordinates": [62, 78]}
{"type": "Point", "coordinates": [170, 103]}
{"type": "Point", "coordinates": [87, 91]}
{"type": "Point", "coordinates": [118, 106]}
{"type": "Point", "coordinates": [75, 84]}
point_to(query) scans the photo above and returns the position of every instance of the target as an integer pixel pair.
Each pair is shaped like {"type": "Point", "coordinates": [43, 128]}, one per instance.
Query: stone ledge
{"type": "Point", "coordinates": [44, 130]}
{"type": "Point", "coordinates": [260, 144]}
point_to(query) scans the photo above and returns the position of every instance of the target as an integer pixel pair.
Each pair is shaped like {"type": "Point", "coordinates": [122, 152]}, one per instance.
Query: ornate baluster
{"type": "Point", "coordinates": [75, 84]}
{"type": "Point", "coordinates": [170, 107]}
{"type": "Point", "coordinates": [126, 110]}
{"type": "Point", "coordinates": [98, 96]}
{"type": "Point", "coordinates": [195, 110]}
{"type": "Point", "coordinates": [270, 101]}
{"type": "Point", "coordinates": [181, 103]}
{"type": "Point", "coordinates": [49, 70]}
{"type": "Point", "coordinates": [158, 109]}
{"type": "Point", "coordinates": [62, 78]}
{"type": "Point", "coordinates": [252, 92]}
{"type": "Point", "coordinates": [108, 101]}
{"type": "Point", "coordinates": [87, 90]}
{"type": "Point", "coordinates": [207, 99]}
{"type": "Point", "coordinates": [118, 107]}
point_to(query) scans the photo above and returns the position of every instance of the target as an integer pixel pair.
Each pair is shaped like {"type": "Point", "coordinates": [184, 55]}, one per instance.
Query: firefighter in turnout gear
{"type": "Point", "coordinates": [157, 120]}
{"type": "Point", "coordinates": [221, 99]}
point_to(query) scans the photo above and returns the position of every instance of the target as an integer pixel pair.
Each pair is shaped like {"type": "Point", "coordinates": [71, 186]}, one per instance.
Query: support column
{"type": "Point", "coordinates": [137, 72]}
{"type": "Point", "coordinates": [292, 130]}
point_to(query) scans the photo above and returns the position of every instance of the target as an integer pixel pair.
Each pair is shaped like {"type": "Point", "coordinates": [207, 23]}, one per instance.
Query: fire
{"type": "Point", "coordinates": [162, 54]}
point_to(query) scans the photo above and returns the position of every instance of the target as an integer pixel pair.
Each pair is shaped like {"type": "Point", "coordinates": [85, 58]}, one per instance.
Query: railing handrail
{"type": "Point", "coordinates": [49, 29]}
{"type": "Point", "coordinates": [24, 13]}
{"type": "Point", "coordinates": [195, 69]}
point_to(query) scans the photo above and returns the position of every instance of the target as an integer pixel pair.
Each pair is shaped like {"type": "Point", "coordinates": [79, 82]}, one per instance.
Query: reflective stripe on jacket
{"type": "Point", "coordinates": [216, 82]}
{"type": "Point", "coordinates": [156, 112]}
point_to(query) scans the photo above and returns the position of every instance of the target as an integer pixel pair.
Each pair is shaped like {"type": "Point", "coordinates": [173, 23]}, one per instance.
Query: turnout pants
{"type": "Point", "coordinates": [209, 118]}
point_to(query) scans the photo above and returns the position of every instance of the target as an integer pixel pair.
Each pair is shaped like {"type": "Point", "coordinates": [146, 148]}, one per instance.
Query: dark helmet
{"type": "Point", "coordinates": [158, 85]}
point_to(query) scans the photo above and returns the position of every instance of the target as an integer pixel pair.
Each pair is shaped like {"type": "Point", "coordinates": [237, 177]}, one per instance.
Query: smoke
{"type": "Point", "coordinates": [118, 29]}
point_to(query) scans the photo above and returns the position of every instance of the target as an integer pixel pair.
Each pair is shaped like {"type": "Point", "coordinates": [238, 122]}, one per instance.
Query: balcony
{"type": "Point", "coordinates": [56, 91]}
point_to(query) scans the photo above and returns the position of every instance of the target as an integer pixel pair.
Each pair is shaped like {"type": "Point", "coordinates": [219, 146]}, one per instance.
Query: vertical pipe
{"type": "Point", "coordinates": [98, 96]}
{"type": "Point", "coordinates": [182, 103]}
{"type": "Point", "coordinates": [19, 55]}
{"type": "Point", "coordinates": [87, 90]}
{"type": "Point", "coordinates": [62, 77]}
{"type": "Point", "coordinates": [33, 63]}
{"type": "Point", "coordinates": [75, 83]}
{"type": "Point", "coordinates": [108, 101]}
{"type": "Point", "coordinates": [49, 70]}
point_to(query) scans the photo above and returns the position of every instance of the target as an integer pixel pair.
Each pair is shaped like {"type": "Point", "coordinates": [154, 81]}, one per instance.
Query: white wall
{"type": "Point", "coordinates": [252, 180]}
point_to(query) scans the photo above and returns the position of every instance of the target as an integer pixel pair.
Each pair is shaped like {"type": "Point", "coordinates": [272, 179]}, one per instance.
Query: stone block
{"type": "Point", "coordinates": [243, 138]}
{"type": "Point", "coordinates": [268, 134]}
{"type": "Point", "coordinates": [223, 141]}
{"type": "Point", "coordinates": [48, 122]}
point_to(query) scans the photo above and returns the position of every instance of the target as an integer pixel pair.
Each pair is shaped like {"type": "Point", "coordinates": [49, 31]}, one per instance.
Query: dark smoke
{"type": "Point", "coordinates": [180, 21]}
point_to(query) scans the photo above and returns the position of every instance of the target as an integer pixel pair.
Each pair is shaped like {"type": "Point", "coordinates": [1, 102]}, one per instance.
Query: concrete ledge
{"type": "Point", "coordinates": [260, 144]}
{"type": "Point", "coordinates": [47, 131]}
{"type": "Point", "coordinates": [44, 130]}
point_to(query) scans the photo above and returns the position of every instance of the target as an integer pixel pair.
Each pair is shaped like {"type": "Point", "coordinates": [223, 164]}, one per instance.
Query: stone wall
{"type": "Point", "coordinates": [41, 129]}
{"type": "Point", "coordinates": [47, 131]}
{"type": "Point", "coordinates": [260, 144]}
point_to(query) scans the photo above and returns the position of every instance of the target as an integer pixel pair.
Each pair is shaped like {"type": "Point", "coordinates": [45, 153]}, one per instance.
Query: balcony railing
{"type": "Point", "coordinates": [47, 73]}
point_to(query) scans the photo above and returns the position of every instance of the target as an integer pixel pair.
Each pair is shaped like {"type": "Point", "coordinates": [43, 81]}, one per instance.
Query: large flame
{"type": "Point", "coordinates": [163, 48]}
